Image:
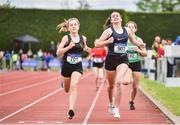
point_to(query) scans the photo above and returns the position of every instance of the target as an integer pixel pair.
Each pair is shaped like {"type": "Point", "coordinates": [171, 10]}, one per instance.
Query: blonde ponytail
{"type": "Point", "coordinates": [107, 23]}
{"type": "Point", "coordinates": [62, 27]}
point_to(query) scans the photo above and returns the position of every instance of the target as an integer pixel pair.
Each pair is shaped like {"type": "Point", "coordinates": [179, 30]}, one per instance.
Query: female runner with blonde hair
{"type": "Point", "coordinates": [71, 49]}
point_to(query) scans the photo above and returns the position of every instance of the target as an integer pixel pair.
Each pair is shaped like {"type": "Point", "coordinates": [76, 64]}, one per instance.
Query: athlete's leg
{"type": "Point", "coordinates": [120, 73]}
{"type": "Point", "coordinates": [75, 78]}
{"type": "Point", "coordinates": [105, 76]}
{"type": "Point", "coordinates": [136, 76]}
{"type": "Point", "coordinates": [66, 83]}
{"type": "Point", "coordinates": [100, 77]}
{"type": "Point", "coordinates": [95, 71]}
{"type": "Point", "coordinates": [128, 78]}
{"type": "Point", "coordinates": [110, 77]}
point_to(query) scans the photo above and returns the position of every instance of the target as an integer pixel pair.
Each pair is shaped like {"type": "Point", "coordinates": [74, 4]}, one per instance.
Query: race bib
{"type": "Point", "coordinates": [132, 55]}
{"type": "Point", "coordinates": [74, 58]}
{"type": "Point", "coordinates": [120, 48]}
{"type": "Point", "coordinates": [97, 60]}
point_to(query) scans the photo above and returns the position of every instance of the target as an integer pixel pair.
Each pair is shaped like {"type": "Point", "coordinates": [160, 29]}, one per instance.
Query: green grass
{"type": "Point", "coordinates": [168, 96]}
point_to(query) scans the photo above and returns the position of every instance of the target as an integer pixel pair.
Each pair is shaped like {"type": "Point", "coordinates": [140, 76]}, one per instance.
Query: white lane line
{"type": "Point", "coordinates": [40, 122]}
{"type": "Point", "coordinates": [50, 94]}
{"type": "Point", "coordinates": [59, 122]}
{"type": "Point", "coordinates": [30, 86]}
{"type": "Point", "coordinates": [21, 122]}
{"type": "Point", "coordinates": [92, 106]}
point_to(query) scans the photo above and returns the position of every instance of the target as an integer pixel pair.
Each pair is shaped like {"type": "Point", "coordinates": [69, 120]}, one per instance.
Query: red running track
{"type": "Point", "coordinates": [40, 100]}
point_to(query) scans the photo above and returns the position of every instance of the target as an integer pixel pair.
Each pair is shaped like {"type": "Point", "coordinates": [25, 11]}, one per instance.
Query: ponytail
{"type": "Point", "coordinates": [63, 27]}
{"type": "Point", "coordinates": [107, 23]}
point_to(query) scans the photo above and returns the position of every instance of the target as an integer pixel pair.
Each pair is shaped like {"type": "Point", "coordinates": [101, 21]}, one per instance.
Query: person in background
{"type": "Point", "coordinates": [161, 48]}
{"type": "Point", "coordinates": [8, 60]}
{"type": "Point", "coordinates": [21, 58]}
{"type": "Point", "coordinates": [170, 60]}
{"type": "Point", "coordinates": [1, 59]}
{"type": "Point", "coordinates": [48, 58]}
{"type": "Point", "coordinates": [98, 56]}
{"type": "Point", "coordinates": [71, 49]}
{"type": "Point", "coordinates": [52, 48]}
{"type": "Point", "coordinates": [134, 59]}
{"type": "Point", "coordinates": [29, 54]}
{"type": "Point", "coordinates": [14, 60]}
{"type": "Point", "coordinates": [156, 49]}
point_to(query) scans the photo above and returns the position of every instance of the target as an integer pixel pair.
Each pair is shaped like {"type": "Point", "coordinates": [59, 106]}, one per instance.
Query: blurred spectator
{"type": "Point", "coordinates": [40, 57]}
{"type": "Point", "coordinates": [164, 42]}
{"type": "Point", "coordinates": [21, 58]}
{"type": "Point", "coordinates": [170, 61]}
{"type": "Point", "coordinates": [29, 54]}
{"type": "Point", "coordinates": [48, 58]}
{"type": "Point", "coordinates": [7, 59]}
{"type": "Point", "coordinates": [52, 48]}
{"type": "Point", "coordinates": [177, 41]}
{"type": "Point", "coordinates": [40, 54]}
{"type": "Point", "coordinates": [155, 46]}
{"type": "Point", "coordinates": [14, 60]}
{"type": "Point", "coordinates": [157, 52]}
{"type": "Point", "coordinates": [1, 59]}
{"type": "Point", "coordinates": [161, 48]}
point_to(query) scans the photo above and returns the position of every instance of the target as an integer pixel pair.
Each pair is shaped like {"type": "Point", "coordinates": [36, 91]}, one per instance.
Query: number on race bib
{"type": "Point", "coordinates": [97, 59]}
{"type": "Point", "coordinates": [120, 48]}
{"type": "Point", "coordinates": [74, 58]}
{"type": "Point", "coordinates": [132, 55]}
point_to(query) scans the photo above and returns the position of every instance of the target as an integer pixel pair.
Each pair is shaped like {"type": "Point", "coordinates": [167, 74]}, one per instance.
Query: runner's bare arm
{"type": "Point", "coordinates": [143, 51]}
{"type": "Point", "coordinates": [86, 48]}
{"type": "Point", "coordinates": [133, 40]}
{"type": "Point", "coordinates": [104, 38]}
{"type": "Point", "coordinates": [61, 50]}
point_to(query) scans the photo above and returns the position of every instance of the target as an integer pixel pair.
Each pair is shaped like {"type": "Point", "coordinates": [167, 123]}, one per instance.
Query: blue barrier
{"type": "Point", "coordinates": [30, 63]}
{"type": "Point", "coordinates": [56, 63]}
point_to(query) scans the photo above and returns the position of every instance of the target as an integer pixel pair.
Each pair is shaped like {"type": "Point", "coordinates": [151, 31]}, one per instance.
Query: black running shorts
{"type": "Point", "coordinates": [98, 65]}
{"type": "Point", "coordinates": [135, 66]}
{"type": "Point", "coordinates": [112, 61]}
{"type": "Point", "coordinates": [68, 69]}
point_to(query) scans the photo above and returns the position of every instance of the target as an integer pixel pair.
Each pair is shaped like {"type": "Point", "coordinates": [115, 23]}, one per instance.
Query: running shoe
{"type": "Point", "coordinates": [70, 114]}
{"type": "Point", "coordinates": [111, 109]}
{"type": "Point", "coordinates": [116, 113]}
{"type": "Point", "coordinates": [131, 105]}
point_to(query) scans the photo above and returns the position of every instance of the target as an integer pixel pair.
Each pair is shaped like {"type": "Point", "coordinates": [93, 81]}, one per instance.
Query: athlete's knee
{"type": "Point", "coordinates": [118, 88]}
{"type": "Point", "coordinates": [119, 82]}
{"type": "Point", "coordinates": [126, 83]}
{"type": "Point", "coordinates": [73, 87]}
